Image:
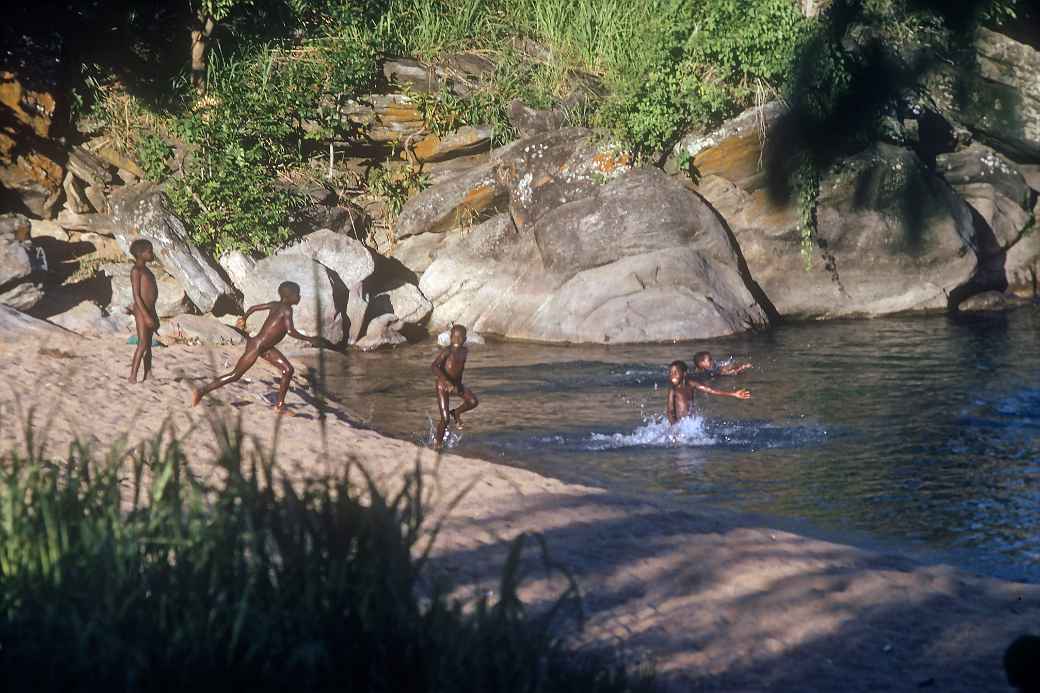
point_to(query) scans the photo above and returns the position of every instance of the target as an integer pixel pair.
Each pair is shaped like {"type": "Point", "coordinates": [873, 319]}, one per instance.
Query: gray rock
{"type": "Point", "coordinates": [349, 258]}
{"type": "Point", "coordinates": [530, 121]}
{"type": "Point", "coordinates": [16, 261]}
{"type": "Point", "coordinates": [75, 197]}
{"type": "Point", "coordinates": [406, 303]}
{"type": "Point", "coordinates": [987, 301]}
{"type": "Point", "coordinates": [90, 168]}
{"type": "Point", "coordinates": [999, 99]}
{"type": "Point", "coordinates": [143, 210]}
{"type": "Point", "coordinates": [199, 329]}
{"type": "Point", "coordinates": [464, 141]}
{"type": "Point", "coordinates": [15, 227]}
{"type": "Point", "coordinates": [48, 229]}
{"type": "Point", "coordinates": [88, 320]}
{"type": "Point", "coordinates": [414, 75]}
{"type": "Point", "coordinates": [22, 296]}
{"type": "Point", "coordinates": [171, 300]}
{"type": "Point", "coordinates": [638, 259]}
{"type": "Point", "coordinates": [91, 223]}
{"type": "Point", "coordinates": [97, 198]}
{"type": "Point", "coordinates": [380, 334]}
{"type": "Point", "coordinates": [15, 324]}
{"type": "Point", "coordinates": [347, 219]}
{"type": "Point", "coordinates": [237, 265]}
{"type": "Point", "coordinates": [465, 199]}
{"type": "Point", "coordinates": [319, 303]}
{"type": "Point", "coordinates": [357, 308]}
{"type": "Point", "coordinates": [980, 164]}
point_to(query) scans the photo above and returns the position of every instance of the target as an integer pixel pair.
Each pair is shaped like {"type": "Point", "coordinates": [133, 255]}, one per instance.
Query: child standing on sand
{"type": "Point", "coordinates": [279, 323]}
{"type": "Point", "coordinates": [680, 395]}
{"type": "Point", "coordinates": [146, 292]}
{"type": "Point", "coordinates": [448, 367]}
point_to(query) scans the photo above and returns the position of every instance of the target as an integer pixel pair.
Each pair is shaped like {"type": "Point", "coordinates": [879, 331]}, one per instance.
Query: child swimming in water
{"type": "Point", "coordinates": [706, 365]}
{"type": "Point", "coordinates": [448, 367]}
{"type": "Point", "coordinates": [680, 395]}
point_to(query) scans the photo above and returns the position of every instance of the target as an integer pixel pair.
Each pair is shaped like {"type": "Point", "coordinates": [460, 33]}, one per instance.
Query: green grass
{"type": "Point", "coordinates": [127, 571]}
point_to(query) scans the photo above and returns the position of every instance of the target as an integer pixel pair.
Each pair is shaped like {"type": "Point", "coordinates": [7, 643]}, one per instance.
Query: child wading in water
{"type": "Point", "coordinates": [279, 323]}
{"type": "Point", "coordinates": [680, 396]}
{"type": "Point", "coordinates": [146, 292]}
{"type": "Point", "coordinates": [448, 367]}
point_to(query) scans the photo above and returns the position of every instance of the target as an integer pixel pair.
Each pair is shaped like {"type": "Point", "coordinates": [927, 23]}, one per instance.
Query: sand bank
{"type": "Point", "coordinates": [716, 601]}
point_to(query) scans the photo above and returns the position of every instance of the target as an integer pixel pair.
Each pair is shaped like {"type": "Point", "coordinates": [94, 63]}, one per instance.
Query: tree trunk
{"type": "Point", "coordinates": [201, 29]}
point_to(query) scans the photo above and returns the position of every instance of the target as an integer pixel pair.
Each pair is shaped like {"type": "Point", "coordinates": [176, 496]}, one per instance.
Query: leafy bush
{"type": "Point", "coordinates": [154, 152]}
{"type": "Point", "coordinates": [132, 574]}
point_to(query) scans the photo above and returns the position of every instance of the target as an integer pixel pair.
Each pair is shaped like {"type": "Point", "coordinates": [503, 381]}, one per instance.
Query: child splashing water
{"type": "Point", "coordinates": [680, 395]}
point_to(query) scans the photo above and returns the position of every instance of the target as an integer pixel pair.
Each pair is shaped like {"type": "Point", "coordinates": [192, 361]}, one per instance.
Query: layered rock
{"type": "Point", "coordinates": [994, 91]}
{"type": "Point", "coordinates": [144, 211]}
{"type": "Point", "coordinates": [21, 263]}
{"type": "Point", "coordinates": [579, 247]}
{"type": "Point", "coordinates": [31, 167]}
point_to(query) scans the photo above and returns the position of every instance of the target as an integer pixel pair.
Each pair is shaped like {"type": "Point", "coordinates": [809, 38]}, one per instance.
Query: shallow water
{"type": "Point", "coordinates": [918, 430]}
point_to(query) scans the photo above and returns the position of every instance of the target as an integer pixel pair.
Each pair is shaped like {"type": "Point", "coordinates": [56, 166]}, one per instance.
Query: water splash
{"type": "Point", "coordinates": [656, 432]}
{"type": "Point", "coordinates": [452, 438]}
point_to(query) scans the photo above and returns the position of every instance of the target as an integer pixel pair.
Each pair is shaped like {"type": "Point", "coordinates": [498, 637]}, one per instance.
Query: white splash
{"type": "Point", "coordinates": [656, 433]}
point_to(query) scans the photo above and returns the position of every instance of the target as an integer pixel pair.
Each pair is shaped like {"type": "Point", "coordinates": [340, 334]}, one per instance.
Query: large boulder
{"type": "Point", "coordinates": [88, 320]}
{"type": "Point", "coordinates": [143, 210]}
{"type": "Point", "coordinates": [891, 235]}
{"type": "Point", "coordinates": [199, 329]}
{"type": "Point", "coordinates": [997, 96]}
{"type": "Point", "coordinates": [20, 263]}
{"type": "Point", "coordinates": [15, 324]}
{"type": "Point", "coordinates": [349, 258]}
{"type": "Point", "coordinates": [319, 302]}
{"type": "Point", "coordinates": [171, 300]}
{"type": "Point", "coordinates": [631, 258]}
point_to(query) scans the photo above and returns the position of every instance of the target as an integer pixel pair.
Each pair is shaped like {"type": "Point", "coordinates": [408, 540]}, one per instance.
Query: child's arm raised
{"type": "Point", "coordinates": [738, 394]}
{"type": "Point", "coordinates": [734, 369]}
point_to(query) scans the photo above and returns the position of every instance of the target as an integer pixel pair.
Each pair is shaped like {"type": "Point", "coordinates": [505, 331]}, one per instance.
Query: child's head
{"type": "Point", "coordinates": [703, 360]}
{"type": "Point", "coordinates": [289, 292]}
{"type": "Point", "coordinates": [141, 249]}
{"type": "Point", "coordinates": [1022, 663]}
{"type": "Point", "coordinates": [458, 335]}
{"type": "Point", "coordinates": [677, 372]}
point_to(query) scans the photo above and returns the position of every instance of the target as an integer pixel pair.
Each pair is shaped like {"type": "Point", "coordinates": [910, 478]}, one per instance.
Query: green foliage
{"type": "Point", "coordinates": [130, 573]}
{"type": "Point", "coordinates": [395, 186]}
{"type": "Point", "coordinates": [154, 152]}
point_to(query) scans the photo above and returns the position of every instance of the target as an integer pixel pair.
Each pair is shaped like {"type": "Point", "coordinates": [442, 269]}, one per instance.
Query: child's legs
{"type": "Point", "coordinates": [442, 405]}
{"type": "Point", "coordinates": [244, 364]}
{"type": "Point", "coordinates": [144, 347]}
{"type": "Point", "coordinates": [279, 361]}
{"type": "Point", "coordinates": [469, 401]}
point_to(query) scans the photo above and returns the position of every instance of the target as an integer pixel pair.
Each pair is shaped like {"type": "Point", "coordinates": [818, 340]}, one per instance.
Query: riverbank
{"type": "Point", "coordinates": [716, 601]}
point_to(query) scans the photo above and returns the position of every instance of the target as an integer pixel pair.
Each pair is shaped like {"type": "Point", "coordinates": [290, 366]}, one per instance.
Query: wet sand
{"type": "Point", "coordinates": [716, 601]}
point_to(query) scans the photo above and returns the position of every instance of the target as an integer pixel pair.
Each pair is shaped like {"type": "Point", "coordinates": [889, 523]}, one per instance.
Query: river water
{"type": "Point", "coordinates": [921, 431]}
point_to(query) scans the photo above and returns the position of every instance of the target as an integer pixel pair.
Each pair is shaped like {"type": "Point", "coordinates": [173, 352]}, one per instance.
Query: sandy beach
{"type": "Point", "coordinates": [715, 601]}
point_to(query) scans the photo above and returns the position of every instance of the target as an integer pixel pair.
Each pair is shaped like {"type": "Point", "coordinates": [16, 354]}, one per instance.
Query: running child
{"type": "Point", "coordinates": [448, 367]}
{"type": "Point", "coordinates": [279, 323]}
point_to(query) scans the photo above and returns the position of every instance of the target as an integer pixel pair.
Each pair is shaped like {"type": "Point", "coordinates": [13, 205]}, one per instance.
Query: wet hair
{"type": "Point", "coordinates": [139, 246]}
{"type": "Point", "coordinates": [286, 289]}
{"type": "Point", "coordinates": [460, 328]}
{"type": "Point", "coordinates": [701, 356]}
{"type": "Point", "coordinates": [1022, 663]}
{"type": "Point", "coordinates": [681, 365]}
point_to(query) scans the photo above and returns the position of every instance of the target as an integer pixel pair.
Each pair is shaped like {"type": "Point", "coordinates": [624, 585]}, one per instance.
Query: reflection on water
{"type": "Point", "coordinates": [919, 429]}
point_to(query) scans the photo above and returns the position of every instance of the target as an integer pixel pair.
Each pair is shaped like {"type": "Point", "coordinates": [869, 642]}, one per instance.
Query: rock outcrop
{"type": "Point", "coordinates": [21, 263]}
{"type": "Point", "coordinates": [143, 210]}
{"type": "Point", "coordinates": [31, 163]}
{"type": "Point", "coordinates": [994, 91]}
{"type": "Point", "coordinates": [579, 247]}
